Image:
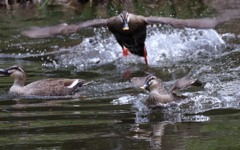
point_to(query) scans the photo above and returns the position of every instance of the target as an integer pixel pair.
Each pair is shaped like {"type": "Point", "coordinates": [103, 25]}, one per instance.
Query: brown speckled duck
{"type": "Point", "coordinates": [45, 87]}
{"type": "Point", "coordinates": [158, 94]}
{"type": "Point", "coordinates": [128, 29]}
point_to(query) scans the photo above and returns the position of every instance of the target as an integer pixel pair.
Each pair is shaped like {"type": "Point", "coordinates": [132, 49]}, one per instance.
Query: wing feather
{"type": "Point", "coordinates": [63, 28]}
{"type": "Point", "coordinates": [184, 82]}
{"type": "Point", "coordinates": [205, 23]}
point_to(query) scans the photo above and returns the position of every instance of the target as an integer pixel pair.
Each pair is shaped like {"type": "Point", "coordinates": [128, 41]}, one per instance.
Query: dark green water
{"type": "Point", "coordinates": [112, 113]}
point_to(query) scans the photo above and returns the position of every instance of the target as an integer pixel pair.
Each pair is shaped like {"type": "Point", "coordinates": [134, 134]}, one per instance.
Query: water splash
{"type": "Point", "coordinates": [188, 109]}
{"type": "Point", "coordinates": [163, 45]}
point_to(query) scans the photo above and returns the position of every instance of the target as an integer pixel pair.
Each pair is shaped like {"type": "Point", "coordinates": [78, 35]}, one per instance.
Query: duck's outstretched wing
{"type": "Point", "coordinates": [205, 23]}
{"type": "Point", "coordinates": [184, 82]}
{"type": "Point", "coordinates": [63, 28]}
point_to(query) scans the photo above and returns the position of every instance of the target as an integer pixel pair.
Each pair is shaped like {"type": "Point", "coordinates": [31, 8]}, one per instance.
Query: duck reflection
{"type": "Point", "coordinates": [168, 130]}
{"type": "Point", "coordinates": [28, 103]}
{"type": "Point", "coordinates": [157, 134]}
{"type": "Point", "coordinates": [158, 126]}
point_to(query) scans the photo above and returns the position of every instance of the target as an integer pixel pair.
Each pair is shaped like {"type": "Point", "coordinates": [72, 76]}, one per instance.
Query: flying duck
{"type": "Point", "coordinates": [158, 94]}
{"type": "Point", "coordinates": [45, 87]}
{"type": "Point", "coordinates": [128, 29]}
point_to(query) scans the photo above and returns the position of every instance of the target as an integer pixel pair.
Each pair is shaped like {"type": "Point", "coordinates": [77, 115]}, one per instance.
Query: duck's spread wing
{"type": "Point", "coordinates": [205, 23]}
{"type": "Point", "coordinates": [138, 81]}
{"type": "Point", "coordinates": [63, 28]}
{"type": "Point", "coordinates": [90, 23]}
{"type": "Point", "coordinates": [184, 82]}
{"type": "Point", "coordinates": [44, 32]}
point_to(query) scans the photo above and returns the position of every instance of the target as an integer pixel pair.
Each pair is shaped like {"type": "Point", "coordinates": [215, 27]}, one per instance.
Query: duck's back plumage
{"type": "Point", "coordinates": [53, 87]}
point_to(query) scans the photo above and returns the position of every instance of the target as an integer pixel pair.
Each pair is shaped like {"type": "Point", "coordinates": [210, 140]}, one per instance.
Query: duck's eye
{"type": "Point", "coordinates": [127, 17]}
{"type": "Point", "coordinates": [122, 15]}
{"type": "Point", "coordinates": [152, 78]}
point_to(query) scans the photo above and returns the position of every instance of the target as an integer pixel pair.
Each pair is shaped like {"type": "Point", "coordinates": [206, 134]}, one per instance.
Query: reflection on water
{"type": "Point", "coordinates": [112, 114]}
{"type": "Point", "coordinates": [156, 135]}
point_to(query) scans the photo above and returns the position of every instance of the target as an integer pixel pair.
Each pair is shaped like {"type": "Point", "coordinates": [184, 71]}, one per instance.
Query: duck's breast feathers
{"type": "Point", "coordinates": [156, 99]}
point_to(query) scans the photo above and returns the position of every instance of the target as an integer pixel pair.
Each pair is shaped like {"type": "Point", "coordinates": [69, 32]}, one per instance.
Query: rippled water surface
{"type": "Point", "coordinates": [111, 113]}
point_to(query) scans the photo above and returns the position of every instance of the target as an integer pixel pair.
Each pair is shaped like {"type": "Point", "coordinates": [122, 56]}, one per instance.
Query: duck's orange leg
{"type": "Point", "coordinates": [145, 55]}
{"type": "Point", "coordinates": [125, 51]}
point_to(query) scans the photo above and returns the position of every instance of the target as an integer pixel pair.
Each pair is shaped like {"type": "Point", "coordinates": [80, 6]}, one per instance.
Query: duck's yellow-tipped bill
{"type": "Point", "coordinates": [142, 87]}
{"type": "Point", "coordinates": [125, 25]}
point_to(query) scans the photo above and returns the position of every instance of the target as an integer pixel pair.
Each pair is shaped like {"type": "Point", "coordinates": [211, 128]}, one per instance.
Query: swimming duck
{"type": "Point", "coordinates": [158, 94]}
{"type": "Point", "coordinates": [128, 29]}
{"type": "Point", "coordinates": [45, 87]}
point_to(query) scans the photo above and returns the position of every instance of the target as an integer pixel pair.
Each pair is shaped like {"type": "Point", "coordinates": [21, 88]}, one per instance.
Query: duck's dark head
{"type": "Point", "coordinates": [15, 71]}
{"type": "Point", "coordinates": [150, 83]}
{"type": "Point", "coordinates": [125, 19]}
